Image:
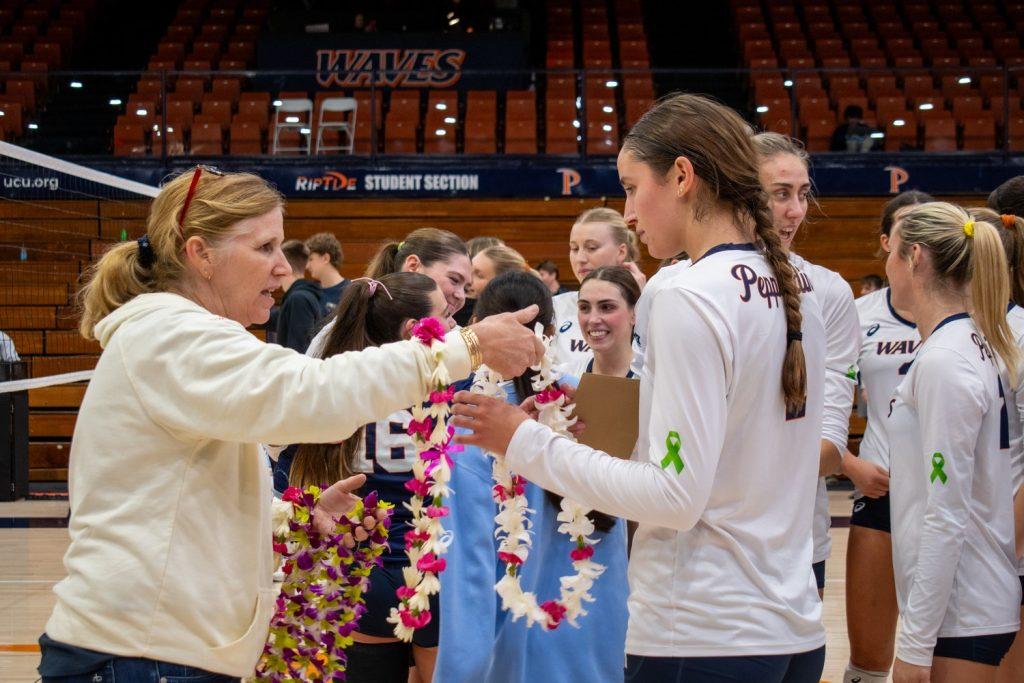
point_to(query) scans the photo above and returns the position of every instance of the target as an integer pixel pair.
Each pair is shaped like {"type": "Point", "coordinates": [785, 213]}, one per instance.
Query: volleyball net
{"type": "Point", "coordinates": [56, 218]}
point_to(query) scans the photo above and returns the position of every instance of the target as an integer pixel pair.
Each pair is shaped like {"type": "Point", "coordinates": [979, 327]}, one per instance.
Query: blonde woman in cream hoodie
{"type": "Point", "coordinates": [170, 563]}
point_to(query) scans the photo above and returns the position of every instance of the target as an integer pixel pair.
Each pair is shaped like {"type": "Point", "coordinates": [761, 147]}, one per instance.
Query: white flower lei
{"type": "Point", "coordinates": [425, 542]}
{"type": "Point", "coordinates": [513, 529]}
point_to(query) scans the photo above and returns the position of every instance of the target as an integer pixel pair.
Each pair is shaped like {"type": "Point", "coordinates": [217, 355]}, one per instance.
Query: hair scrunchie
{"type": "Point", "coordinates": [1009, 220]}
{"type": "Point", "coordinates": [146, 255]}
{"type": "Point", "coordinates": [969, 228]}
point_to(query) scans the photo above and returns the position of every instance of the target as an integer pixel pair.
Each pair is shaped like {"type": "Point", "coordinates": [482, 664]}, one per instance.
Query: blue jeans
{"type": "Point", "coordinates": [804, 667]}
{"type": "Point", "coordinates": [136, 670]}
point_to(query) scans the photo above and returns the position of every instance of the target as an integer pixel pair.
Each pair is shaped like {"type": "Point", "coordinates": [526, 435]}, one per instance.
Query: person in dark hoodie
{"type": "Point", "coordinates": [302, 305]}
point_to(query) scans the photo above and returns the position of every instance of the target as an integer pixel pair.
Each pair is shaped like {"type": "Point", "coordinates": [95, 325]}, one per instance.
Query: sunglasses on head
{"type": "Point", "coordinates": [192, 190]}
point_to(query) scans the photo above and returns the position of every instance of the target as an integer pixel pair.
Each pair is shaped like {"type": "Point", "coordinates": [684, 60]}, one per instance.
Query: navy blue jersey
{"type": "Point", "coordinates": [386, 455]}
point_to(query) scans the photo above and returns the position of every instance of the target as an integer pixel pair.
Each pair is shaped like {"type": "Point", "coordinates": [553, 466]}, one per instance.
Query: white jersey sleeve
{"type": "Point", "coordinates": [842, 334]}
{"type": "Point", "coordinates": [952, 520]}
{"type": "Point", "coordinates": [949, 430]}
{"type": "Point", "coordinates": [1014, 398]}
{"type": "Point", "coordinates": [716, 445]}
{"type": "Point", "coordinates": [646, 491]}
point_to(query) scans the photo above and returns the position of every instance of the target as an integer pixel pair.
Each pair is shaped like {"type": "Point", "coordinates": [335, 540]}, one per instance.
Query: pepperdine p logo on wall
{"type": "Point", "coordinates": [412, 68]}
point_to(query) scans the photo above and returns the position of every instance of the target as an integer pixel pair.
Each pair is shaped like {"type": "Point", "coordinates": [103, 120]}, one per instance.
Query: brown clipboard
{"type": "Point", "coordinates": [610, 408]}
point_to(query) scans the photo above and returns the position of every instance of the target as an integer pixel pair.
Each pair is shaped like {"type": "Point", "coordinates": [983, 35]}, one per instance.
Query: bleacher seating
{"type": "Point", "coordinates": [203, 40]}
{"type": "Point", "coordinates": [912, 66]}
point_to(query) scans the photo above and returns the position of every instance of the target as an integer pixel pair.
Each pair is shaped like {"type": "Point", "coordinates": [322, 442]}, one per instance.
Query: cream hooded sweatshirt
{"type": "Point", "coordinates": [170, 554]}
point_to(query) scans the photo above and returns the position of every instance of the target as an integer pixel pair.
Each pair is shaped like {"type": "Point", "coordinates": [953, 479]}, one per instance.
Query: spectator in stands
{"type": "Point", "coordinates": [8, 354]}
{"type": "Point", "coordinates": [853, 135]}
{"type": "Point", "coordinates": [302, 304]}
{"type": "Point", "coordinates": [870, 283]}
{"type": "Point", "coordinates": [492, 262]}
{"type": "Point", "coordinates": [325, 258]}
{"type": "Point", "coordinates": [1008, 198]}
{"type": "Point", "coordinates": [548, 271]}
{"type": "Point", "coordinates": [170, 565]}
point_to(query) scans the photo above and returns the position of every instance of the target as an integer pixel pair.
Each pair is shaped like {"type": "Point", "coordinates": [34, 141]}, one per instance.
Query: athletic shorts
{"type": "Point", "coordinates": [981, 649]}
{"type": "Point", "coordinates": [378, 662]}
{"type": "Point", "coordinates": [819, 574]}
{"type": "Point", "coordinates": [804, 667]}
{"type": "Point", "coordinates": [872, 513]}
{"type": "Point", "coordinates": [380, 598]}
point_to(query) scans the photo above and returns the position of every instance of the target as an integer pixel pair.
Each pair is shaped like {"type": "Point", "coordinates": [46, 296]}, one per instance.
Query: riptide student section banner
{"type": "Point", "coordinates": [344, 177]}
{"type": "Point", "coordinates": [398, 60]}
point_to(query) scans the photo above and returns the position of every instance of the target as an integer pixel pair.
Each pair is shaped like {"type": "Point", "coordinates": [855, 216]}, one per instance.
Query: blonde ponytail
{"type": "Point", "coordinates": [117, 278]}
{"type": "Point", "coordinates": [967, 254]}
{"type": "Point", "coordinates": [990, 293]}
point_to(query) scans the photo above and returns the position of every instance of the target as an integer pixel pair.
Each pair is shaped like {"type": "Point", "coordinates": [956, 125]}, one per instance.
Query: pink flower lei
{"type": "Point", "coordinates": [321, 598]}
{"type": "Point", "coordinates": [424, 542]}
{"type": "Point", "coordinates": [513, 527]}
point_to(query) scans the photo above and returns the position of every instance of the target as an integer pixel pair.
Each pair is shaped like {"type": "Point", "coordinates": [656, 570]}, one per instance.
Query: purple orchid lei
{"type": "Point", "coordinates": [321, 598]}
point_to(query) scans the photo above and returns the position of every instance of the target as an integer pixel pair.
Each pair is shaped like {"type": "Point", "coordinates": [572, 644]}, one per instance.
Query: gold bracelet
{"type": "Point", "coordinates": [476, 357]}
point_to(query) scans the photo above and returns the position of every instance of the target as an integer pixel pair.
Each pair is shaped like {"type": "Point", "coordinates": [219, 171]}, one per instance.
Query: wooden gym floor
{"type": "Point", "coordinates": [31, 548]}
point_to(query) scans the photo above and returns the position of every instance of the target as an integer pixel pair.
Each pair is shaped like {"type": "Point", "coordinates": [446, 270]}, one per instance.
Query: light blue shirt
{"type": "Point", "coordinates": [479, 641]}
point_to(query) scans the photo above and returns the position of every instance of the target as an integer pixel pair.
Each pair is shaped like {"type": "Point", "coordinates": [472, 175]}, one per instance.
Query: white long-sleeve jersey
{"type": "Point", "coordinates": [952, 517]}
{"type": "Point", "coordinates": [842, 335]}
{"type": "Point", "coordinates": [722, 481]}
{"type": "Point", "coordinates": [1014, 399]}
{"type": "Point", "coordinates": [888, 346]}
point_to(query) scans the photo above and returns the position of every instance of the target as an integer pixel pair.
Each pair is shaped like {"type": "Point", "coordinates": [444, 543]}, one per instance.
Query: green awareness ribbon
{"type": "Point", "coordinates": [938, 462]}
{"type": "Point", "coordinates": [672, 443]}
{"type": "Point", "coordinates": [851, 373]}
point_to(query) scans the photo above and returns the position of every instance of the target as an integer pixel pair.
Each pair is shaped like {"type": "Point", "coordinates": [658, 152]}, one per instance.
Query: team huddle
{"type": "Point", "coordinates": [713, 536]}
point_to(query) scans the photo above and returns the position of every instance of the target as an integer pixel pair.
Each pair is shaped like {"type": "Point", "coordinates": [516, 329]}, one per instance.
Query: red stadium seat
{"type": "Point", "coordinates": [965, 106]}
{"type": "Point", "coordinates": [900, 132]}
{"type": "Point", "coordinates": [818, 134]}
{"type": "Point", "coordinates": [979, 132]}
{"type": "Point", "coordinates": [129, 139]}
{"type": "Point", "coordinates": [940, 135]}
{"type": "Point", "coordinates": [246, 137]}
{"type": "Point", "coordinates": [207, 139]}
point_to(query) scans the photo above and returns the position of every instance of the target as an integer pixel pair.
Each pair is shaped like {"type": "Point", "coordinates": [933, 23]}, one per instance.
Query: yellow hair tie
{"type": "Point", "coordinates": [400, 245]}
{"type": "Point", "coordinates": [969, 228]}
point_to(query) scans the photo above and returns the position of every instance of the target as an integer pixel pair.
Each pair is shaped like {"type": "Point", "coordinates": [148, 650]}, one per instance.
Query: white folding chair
{"type": "Point", "coordinates": [345, 125]}
{"type": "Point", "coordinates": [293, 114]}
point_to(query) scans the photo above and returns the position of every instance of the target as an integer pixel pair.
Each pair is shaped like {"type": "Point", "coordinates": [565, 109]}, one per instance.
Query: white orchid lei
{"type": "Point", "coordinates": [426, 542]}
{"type": "Point", "coordinates": [513, 529]}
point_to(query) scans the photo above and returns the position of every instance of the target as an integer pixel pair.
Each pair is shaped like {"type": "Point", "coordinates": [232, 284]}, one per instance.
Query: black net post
{"type": "Point", "coordinates": [13, 434]}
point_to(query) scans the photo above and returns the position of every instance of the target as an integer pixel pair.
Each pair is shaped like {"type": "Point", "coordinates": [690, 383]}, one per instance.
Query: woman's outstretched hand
{"type": "Point", "coordinates": [529, 406]}
{"type": "Point", "coordinates": [335, 502]}
{"type": "Point", "coordinates": [492, 421]}
{"type": "Point", "coordinates": [509, 347]}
